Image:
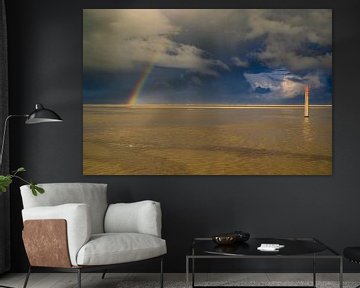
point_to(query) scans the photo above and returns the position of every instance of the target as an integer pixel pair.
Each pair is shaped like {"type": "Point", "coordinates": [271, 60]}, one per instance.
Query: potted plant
{"type": "Point", "coordinates": [6, 180]}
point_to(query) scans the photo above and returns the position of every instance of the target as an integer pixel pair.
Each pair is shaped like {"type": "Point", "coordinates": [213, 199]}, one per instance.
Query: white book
{"type": "Point", "coordinates": [270, 247]}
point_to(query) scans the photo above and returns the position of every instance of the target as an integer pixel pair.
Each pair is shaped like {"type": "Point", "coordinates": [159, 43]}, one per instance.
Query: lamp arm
{"type": "Point", "coordinates": [4, 134]}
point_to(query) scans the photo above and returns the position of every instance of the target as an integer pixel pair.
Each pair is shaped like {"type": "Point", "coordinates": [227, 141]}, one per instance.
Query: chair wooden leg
{"type": "Point", "coordinates": [103, 275]}
{"type": "Point", "coordinates": [161, 273]}
{"type": "Point", "coordinates": [27, 277]}
{"type": "Point", "coordinates": [79, 277]}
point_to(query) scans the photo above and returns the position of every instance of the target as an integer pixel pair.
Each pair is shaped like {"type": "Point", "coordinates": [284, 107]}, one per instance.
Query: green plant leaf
{"type": "Point", "coordinates": [36, 189]}
{"type": "Point", "coordinates": [33, 189]}
{"type": "Point", "coordinates": [39, 189]}
{"type": "Point", "coordinates": [20, 169]}
{"type": "Point", "coordinates": [5, 182]}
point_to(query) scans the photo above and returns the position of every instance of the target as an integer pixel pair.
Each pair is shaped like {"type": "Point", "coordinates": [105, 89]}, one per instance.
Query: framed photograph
{"type": "Point", "coordinates": [207, 92]}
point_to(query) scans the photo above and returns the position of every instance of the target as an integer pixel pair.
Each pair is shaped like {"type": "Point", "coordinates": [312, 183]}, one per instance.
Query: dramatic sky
{"type": "Point", "coordinates": [207, 56]}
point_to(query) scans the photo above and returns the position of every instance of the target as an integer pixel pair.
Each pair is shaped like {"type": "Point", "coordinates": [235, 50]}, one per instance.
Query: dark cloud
{"type": "Point", "coordinates": [231, 55]}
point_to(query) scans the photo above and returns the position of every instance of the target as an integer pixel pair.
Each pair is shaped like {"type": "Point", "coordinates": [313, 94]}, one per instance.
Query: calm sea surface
{"type": "Point", "coordinates": [184, 141]}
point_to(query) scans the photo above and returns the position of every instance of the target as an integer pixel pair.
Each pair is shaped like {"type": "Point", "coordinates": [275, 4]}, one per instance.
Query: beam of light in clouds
{"type": "Point", "coordinates": [281, 83]}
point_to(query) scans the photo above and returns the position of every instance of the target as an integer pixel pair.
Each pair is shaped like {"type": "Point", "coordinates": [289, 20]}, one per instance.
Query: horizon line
{"type": "Point", "coordinates": [209, 106]}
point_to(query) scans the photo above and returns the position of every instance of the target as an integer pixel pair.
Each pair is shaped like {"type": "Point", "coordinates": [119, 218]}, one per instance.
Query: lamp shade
{"type": "Point", "coordinates": [42, 115]}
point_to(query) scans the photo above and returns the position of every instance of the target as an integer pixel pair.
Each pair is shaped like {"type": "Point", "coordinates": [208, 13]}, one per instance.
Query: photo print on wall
{"type": "Point", "coordinates": [207, 92]}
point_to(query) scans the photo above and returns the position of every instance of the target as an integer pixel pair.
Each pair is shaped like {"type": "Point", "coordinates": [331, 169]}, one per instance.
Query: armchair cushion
{"type": "Point", "coordinates": [92, 194]}
{"type": "Point", "coordinates": [78, 221]}
{"type": "Point", "coordinates": [138, 217]}
{"type": "Point", "coordinates": [113, 248]}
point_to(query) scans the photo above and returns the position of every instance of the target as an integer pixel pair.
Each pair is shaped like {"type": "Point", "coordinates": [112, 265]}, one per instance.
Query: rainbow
{"type": "Point", "coordinates": [135, 93]}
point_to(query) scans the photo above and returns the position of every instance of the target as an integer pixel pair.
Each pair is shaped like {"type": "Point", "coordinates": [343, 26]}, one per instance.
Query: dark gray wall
{"type": "Point", "coordinates": [45, 43]}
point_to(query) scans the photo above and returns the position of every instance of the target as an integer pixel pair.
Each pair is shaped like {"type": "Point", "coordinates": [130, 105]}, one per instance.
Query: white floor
{"type": "Point", "coordinates": [116, 280]}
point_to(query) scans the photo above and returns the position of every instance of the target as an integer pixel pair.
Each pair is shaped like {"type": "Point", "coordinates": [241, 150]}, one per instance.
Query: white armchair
{"type": "Point", "coordinates": [72, 228]}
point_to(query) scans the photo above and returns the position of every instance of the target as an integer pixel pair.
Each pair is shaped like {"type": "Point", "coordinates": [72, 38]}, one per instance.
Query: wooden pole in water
{"type": "Point", "coordinates": [306, 104]}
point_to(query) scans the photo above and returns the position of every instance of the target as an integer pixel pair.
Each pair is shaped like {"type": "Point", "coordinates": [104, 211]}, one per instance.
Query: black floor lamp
{"type": "Point", "coordinates": [39, 115]}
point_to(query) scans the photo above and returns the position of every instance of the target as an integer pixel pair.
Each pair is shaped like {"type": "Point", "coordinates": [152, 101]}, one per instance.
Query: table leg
{"type": "Point", "coordinates": [193, 267]}
{"type": "Point", "coordinates": [341, 273]}
{"type": "Point", "coordinates": [187, 272]}
{"type": "Point", "coordinates": [314, 271]}
{"type": "Point", "coordinates": [193, 272]}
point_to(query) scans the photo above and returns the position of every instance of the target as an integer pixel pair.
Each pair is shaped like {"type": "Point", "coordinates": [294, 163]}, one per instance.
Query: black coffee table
{"type": "Point", "coordinates": [295, 248]}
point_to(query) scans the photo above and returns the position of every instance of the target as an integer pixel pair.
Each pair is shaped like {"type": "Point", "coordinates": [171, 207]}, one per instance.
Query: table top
{"type": "Point", "coordinates": [293, 247]}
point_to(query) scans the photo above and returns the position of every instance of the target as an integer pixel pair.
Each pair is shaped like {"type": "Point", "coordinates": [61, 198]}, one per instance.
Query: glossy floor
{"type": "Point", "coordinates": [117, 280]}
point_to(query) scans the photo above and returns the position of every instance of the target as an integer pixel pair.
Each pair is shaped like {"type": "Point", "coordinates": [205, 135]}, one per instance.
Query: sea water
{"type": "Point", "coordinates": [206, 140]}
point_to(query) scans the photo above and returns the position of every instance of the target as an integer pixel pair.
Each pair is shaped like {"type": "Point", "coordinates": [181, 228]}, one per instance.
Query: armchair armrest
{"type": "Point", "coordinates": [138, 217]}
{"type": "Point", "coordinates": [52, 250]}
{"type": "Point", "coordinates": [77, 217]}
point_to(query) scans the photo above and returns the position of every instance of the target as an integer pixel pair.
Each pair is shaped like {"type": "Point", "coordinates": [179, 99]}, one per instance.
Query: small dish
{"type": "Point", "coordinates": [225, 239]}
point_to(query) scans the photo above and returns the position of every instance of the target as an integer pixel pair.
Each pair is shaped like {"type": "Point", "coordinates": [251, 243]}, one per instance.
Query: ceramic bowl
{"type": "Point", "coordinates": [225, 239]}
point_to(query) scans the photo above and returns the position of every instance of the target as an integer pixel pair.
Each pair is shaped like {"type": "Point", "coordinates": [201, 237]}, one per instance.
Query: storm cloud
{"type": "Point", "coordinates": [272, 52]}
{"type": "Point", "coordinates": [281, 83]}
